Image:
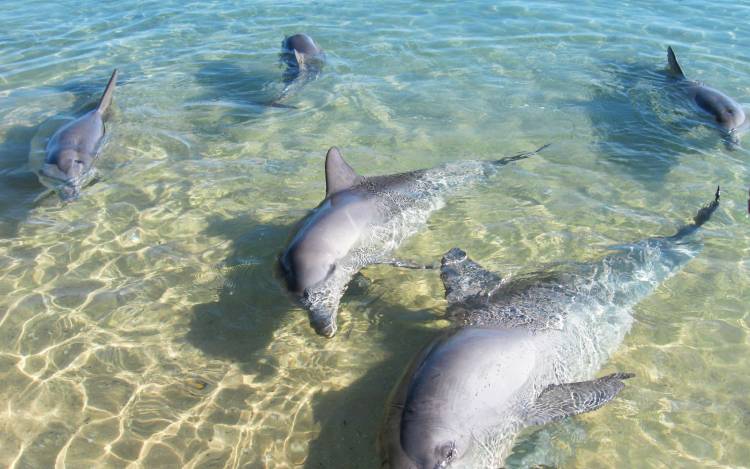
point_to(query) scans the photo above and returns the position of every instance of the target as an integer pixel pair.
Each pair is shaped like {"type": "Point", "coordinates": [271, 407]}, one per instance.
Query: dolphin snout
{"type": "Point", "coordinates": [326, 330]}
{"type": "Point", "coordinates": [323, 324]}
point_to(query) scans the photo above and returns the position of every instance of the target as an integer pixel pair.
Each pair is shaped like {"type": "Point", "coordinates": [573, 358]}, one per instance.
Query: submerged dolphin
{"type": "Point", "coordinates": [304, 61]}
{"type": "Point", "coordinates": [726, 112]}
{"type": "Point", "coordinates": [360, 222]}
{"type": "Point", "coordinates": [72, 150]}
{"type": "Point", "coordinates": [520, 352]}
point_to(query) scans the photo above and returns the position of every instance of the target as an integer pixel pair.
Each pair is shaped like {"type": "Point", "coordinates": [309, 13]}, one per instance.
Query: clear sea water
{"type": "Point", "coordinates": [143, 325]}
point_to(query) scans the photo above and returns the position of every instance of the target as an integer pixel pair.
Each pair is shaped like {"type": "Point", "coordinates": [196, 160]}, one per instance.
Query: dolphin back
{"type": "Point", "coordinates": [108, 92]}
{"type": "Point", "coordinates": [674, 67]}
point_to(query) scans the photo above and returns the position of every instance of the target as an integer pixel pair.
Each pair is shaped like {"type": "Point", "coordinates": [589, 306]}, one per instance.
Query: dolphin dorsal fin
{"type": "Point", "coordinates": [674, 67]}
{"type": "Point", "coordinates": [339, 175]}
{"type": "Point", "coordinates": [300, 59]}
{"type": "Point", "coordinates": [464, 278]}
{"type": "Point", "coordinates": [107, 95]}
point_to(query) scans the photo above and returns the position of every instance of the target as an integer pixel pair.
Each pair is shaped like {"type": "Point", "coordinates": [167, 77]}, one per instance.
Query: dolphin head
{"type": "Point", "coordinates": [304, 267]}
{"type": "Point", "coordinates": [65, 172]}
{"type": "Point", "coordinates": [730, 117]}
{"type": "Point", "coordinates": [305, 272]}
{"type": "Point", "coordinates": [323, 320]}
{"type": "Point", "coordinates": [299, 50]}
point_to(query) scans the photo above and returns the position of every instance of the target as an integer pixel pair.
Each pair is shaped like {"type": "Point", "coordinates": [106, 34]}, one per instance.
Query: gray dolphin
{"type": "Point", "coordinates": [522, 352]}
{"type": "Point", "coordinates": [304, 61]}
{"type": "Point", "coordinates": [72, 150]}
{"type": "Point", "coordinates": [361, 221]}
{"type": "Point", "coordinates": [726, 112]}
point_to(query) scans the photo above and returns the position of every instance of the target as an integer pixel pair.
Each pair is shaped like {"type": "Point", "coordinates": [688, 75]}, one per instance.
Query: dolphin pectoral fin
{"type": "Point", "coordinates": [404, 264]}
{"type": "Point", "coordinates": [339, 175]}
{"type": "Point", "coordinates": [464, 278]}
{"type": "Point", "coordinates": [674, 67]}
{"type": "Point", "coordinates": [559, 401]}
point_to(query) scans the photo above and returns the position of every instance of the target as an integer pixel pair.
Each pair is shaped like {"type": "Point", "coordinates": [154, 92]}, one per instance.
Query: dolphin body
{"type": "Point", "coordinates": [361, 221]}
{"type": "Point", "coordinates": [73, 149]}
{"type": "Point", "coordinates": [303, 60]}
{"type": "Point", "coordinates": [521, 352]}
{"type": "Point", "coordinates": [726, 112]}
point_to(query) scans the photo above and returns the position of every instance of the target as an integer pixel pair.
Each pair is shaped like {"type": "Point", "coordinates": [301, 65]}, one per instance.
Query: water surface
{"type": "Point", "coordinates": [144, 326]}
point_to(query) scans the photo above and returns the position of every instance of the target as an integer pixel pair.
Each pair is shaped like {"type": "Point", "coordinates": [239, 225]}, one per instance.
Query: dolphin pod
{"type": "Point", "coordinates": [521, 352]}
{"type": "Point", "coordinates": [73, 149]}
{"type": "Point", "coordinates": [725, 111]}
{"type": "Point", "coordinates": [361, 221]}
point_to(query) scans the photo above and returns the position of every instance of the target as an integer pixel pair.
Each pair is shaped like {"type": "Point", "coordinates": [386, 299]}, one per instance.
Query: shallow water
{"type": "Point", "coordinates": [143, 325]}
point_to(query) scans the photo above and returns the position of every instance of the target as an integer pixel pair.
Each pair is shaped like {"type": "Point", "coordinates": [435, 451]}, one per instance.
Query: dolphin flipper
{"type": "Point", "coordinates": [559, 401]}
{"type": "Point", "coordinates": [674, 67]}
{"type": "Point", "coordinates": [464, 278]}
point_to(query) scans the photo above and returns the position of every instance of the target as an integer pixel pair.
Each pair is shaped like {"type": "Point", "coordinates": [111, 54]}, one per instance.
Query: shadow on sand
{"type": "Point", "coordinates": [238, 94]}
{"type": "Point", "coordinates": [252, 305]}
{"type": "Point", "coordinates": [350, 419]}
{"type": "Point", "coordinates": [20, 185]}
{"type": "Point", "coordinates": [252, 302]}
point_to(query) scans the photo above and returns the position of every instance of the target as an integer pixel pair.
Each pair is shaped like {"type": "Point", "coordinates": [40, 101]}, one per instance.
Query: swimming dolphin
{"type": "Point", "coordinates": [522, 352]}
{"type": "Point", "coordinates": [726, 112]}
{"type": "Point", "coordinates": [304, 61]}
{"type": "Point", "coordinates": [72, 150]}
{"type": "Point", "coordinates": [360, 222]}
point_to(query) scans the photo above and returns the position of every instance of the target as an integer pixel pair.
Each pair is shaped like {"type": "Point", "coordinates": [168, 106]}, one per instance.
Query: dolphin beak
{"type": "Point", "coordinates": [324, 324]}
{"type": "Point", "coordinates": [326, 330]}
{"type": "Point", "coordinates": [69, 193]}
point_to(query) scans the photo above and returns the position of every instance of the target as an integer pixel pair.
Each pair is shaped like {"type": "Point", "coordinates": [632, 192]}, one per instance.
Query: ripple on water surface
{"type": "Point", "coordinates": [144, 324]}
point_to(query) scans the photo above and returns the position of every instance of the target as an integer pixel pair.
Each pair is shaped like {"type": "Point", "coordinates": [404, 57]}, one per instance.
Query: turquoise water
{"type": "Point", "coordinates": [143, 326]}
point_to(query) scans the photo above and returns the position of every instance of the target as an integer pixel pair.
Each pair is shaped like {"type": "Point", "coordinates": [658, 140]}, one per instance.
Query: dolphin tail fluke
{"type": "Point", "coordinates": [107, 96]}
{"type": "Point", "coordinates": [280, 105]}
{"type": "Point", "coordinates": [674, 67]}
{"type": "Point", "coordinates": [703, 215]}
{"type": "Point", "coordinates": [519, 156]}
{"type": "Point", "coordinates": [275, 104]}
{"type": "Point", "coordinates": [464, 278]}
{"type": "Point", "coordinates": [559, 401]}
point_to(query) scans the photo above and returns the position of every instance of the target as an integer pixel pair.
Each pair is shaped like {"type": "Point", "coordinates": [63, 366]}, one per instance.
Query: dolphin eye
{"type": "Point", "coordinates": [447, 454]}
{"type": "Point", "coordinates": [79, 161]}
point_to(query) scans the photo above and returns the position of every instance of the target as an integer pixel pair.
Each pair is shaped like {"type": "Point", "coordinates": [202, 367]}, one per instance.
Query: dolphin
{"type": "Point", "coordinates": [726, 112]}
{"type": "Point", "coordinates": [303, 60]}
{"type": "Point", "coordinates": [361, 221]}
{"type": "Point", "coordinates": [73, 149]}
{"type": "Point", "coordinates": [522, 352]}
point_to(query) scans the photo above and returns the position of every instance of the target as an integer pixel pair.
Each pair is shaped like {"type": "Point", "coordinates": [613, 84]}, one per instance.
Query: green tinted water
{"type": "Point", "coordinates": [143, 325]}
